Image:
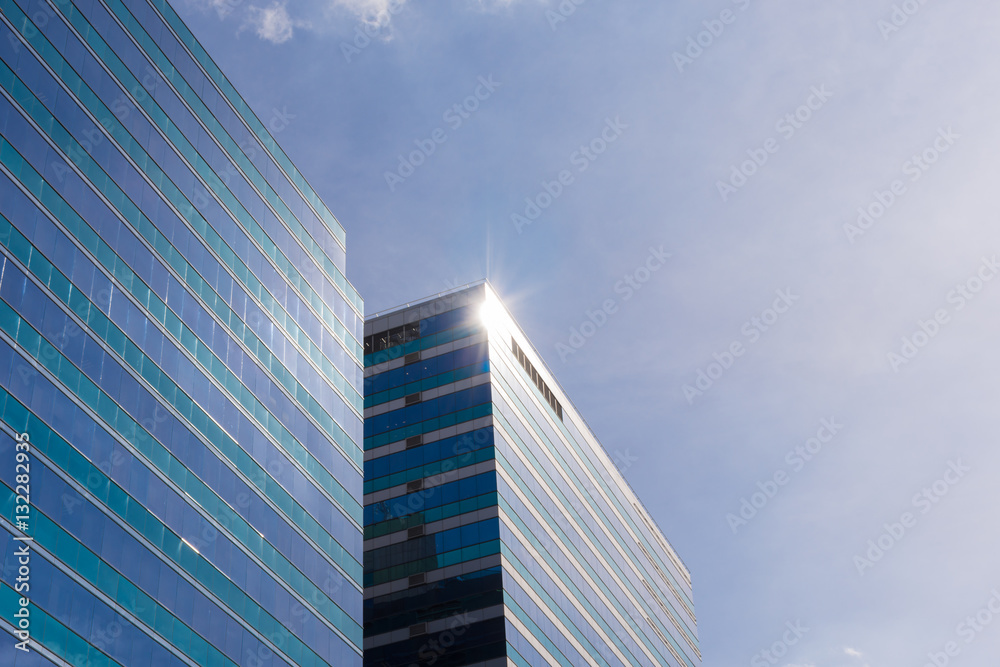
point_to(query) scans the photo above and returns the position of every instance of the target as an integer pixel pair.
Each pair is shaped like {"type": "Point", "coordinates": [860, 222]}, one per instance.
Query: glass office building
{"type": "Point", "coordinates": [182, 351]}
{"type": "Point", "coordinates": [498, 531]}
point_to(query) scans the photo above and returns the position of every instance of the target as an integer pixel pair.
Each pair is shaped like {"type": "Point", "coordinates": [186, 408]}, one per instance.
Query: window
{"type": "Point", "coordinates": [391, 338]}
{"type": "Point", "coordinates": [536, 377]}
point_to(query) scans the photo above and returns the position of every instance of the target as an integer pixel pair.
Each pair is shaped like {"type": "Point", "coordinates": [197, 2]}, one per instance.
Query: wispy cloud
{"type": "Point", "coordinates": [379, 13]}
{"type": "Point", "coordinates": [857, 655]}
{"type": "Point", "coordinates": [373, 12]}
{"type": "Point", "coordinates": [221, 7]}
{"type": "Point", "coordinates": [272, 23]}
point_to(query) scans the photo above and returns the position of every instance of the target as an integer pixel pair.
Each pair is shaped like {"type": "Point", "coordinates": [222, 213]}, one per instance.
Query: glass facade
{"type": "Point", "coordinates": [498, 531]}
{"type": "Point", "coordinates": [181, 349]}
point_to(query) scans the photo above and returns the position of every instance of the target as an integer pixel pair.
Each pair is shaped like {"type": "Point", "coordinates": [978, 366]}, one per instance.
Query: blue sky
{"type": "Point", "coordinates": [891, 112]}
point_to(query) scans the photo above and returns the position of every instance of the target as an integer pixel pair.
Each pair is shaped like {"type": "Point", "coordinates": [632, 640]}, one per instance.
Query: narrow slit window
{"type": "Point", "coordinates": [536, 378]}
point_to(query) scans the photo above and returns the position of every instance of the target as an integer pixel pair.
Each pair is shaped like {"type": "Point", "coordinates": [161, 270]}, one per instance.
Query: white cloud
{"type": "Point", "coordinates": [856, 654]}
{"type": "Point", "coordinates": [272, 23]}
{"type": "Point", "coordinates": [374, 12]}
{"type": "Point", "coordinates": [379, 13]}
